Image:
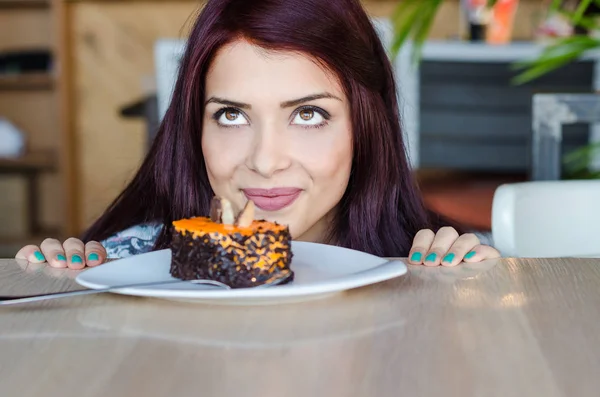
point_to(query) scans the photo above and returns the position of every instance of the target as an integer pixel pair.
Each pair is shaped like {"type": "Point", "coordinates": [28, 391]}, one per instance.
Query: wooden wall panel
{"type": "Point", "coordinates": [25, 28]}
{"type": "Point", "coordinates": [12, 207]}
{"type": "Point", "coordinates": [113, 54]}
{"type": "Point", "coordinates": [35, 112]}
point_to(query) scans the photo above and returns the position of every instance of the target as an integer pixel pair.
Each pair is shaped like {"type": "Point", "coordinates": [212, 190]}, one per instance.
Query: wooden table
{"type": "Point", "coordinates": [509, 327]}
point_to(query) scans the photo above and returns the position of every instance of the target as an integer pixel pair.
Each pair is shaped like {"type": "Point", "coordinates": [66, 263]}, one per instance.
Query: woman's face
{"type": "Point", "coordinates": [277, 130]}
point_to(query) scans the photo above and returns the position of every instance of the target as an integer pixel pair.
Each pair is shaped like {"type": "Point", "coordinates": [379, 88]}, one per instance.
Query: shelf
{"type": "Point", "coordinates": [21, 4]}
{"type": "Point", "coordinates": [35, 161]}
{"type": "Point", "coordinates": [26, 82]}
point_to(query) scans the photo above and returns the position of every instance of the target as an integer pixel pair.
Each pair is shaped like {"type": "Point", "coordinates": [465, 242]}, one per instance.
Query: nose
{"type": "Point", "coordinates": [270, 152]}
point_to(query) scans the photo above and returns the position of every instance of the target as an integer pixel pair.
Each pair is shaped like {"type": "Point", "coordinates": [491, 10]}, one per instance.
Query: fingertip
{"type": "Point", "coordinates": [431, 259]}
{"type": "Point", "coordinates": [416, 258]}
{"type": "Point", "coordinates": [59, 261]}
{"type": "Point", "coordinates": [94, 259]}
{"type": "Point", "coordinates": [449, 260]}
{"type": "Point", "coordinates": [76, 262]}
{"type": "Point", "coordinates": [76, 266]}
{"type": "Point", "coordinates": [449, 264]}
{"type": "Point", "coordinates": [471, 256]}
{"type": "Point", "coordinates": [37, 257]}
{"type": "Point", "coordinates": [27, 253]}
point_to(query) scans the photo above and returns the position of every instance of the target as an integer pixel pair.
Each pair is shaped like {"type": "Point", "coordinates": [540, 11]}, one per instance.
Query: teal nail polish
{"type": "Point", "coordinates": [470, 255]}
{"type": "Point", "coordinates": [449, 258]}
{"type": "Point", "coordinates": [416, 257]}
{"type": "Point", "coordinates": [76, 259]}
{"type": "Point", "coordinates": [431, 257]}
{"type": "Point", "coordinates": [93, 257]}
{"type": "Point", "coordinates": [38, 255]}
{"type": "Point", "coordinates": [61, 257]}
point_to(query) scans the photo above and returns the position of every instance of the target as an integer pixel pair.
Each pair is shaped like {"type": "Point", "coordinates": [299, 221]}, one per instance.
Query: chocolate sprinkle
{"type": "Point", "coordinates": [205, 257]}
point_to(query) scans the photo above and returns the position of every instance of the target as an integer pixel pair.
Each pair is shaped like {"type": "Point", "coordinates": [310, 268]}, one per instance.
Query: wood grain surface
{"type": "Point", "coordinates": [510, 327]}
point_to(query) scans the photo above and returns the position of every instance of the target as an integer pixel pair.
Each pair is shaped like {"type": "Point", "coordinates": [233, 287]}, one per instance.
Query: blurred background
{"type": "Point", "coordinates": [83, 85]}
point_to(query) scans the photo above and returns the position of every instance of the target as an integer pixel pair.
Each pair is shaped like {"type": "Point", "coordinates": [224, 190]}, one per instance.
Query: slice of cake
{"type": "Point", "coordinates": [236, 250]}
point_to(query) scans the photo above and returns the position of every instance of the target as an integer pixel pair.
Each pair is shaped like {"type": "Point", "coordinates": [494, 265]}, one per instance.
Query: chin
{"type": "Point", "coordinates": [273, 217]}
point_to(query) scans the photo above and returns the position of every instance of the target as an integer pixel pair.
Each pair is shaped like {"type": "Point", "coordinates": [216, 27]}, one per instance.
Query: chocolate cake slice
{"type": "Point", "coordinates": [238, 251]}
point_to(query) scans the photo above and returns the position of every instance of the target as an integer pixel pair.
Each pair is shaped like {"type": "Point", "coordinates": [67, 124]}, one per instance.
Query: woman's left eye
{"type": "Point", "coordinates": [309, 117]}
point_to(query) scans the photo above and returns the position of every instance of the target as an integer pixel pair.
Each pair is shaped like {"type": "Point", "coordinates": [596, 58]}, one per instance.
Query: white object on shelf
{"type": "Point", "coordinates": [167, 56]}
{"type": "Point", "coordinates": [407, 82]}
{"type": "Point", "coordinates": [547, 219]}
{"type": "Point", "coordinates": [12, 140]}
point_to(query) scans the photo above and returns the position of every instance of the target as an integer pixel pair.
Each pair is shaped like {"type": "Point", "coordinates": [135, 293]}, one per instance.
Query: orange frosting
{"type": "Point", "coordinates": [269, 253]}
{"type": "Point", "coordinates": [203, 225]}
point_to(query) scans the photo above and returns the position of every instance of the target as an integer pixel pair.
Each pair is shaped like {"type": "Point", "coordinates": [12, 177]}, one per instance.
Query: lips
{"type": "Point", "coordinates": [272, 199]}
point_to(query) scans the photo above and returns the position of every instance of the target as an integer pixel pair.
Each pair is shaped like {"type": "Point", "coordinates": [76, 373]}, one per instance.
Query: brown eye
{"type": "Point", "coordinates": [307, 114]}
{"type": "Point", "coordinates": [231, 115]}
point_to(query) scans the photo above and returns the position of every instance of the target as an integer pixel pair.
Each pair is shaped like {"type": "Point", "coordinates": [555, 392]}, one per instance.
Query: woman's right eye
{"type": "Point", "coordinates": [230, 117]}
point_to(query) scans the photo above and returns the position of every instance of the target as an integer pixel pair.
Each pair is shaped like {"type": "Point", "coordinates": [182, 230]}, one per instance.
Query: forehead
{"type": "Point", "coordinates": [242, 69]}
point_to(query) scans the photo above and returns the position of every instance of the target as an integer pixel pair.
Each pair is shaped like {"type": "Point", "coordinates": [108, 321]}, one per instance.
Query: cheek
{"type": "Point", "coordinates": [328, 159]}
{"type": "Point", "coordinates": [221, 155]}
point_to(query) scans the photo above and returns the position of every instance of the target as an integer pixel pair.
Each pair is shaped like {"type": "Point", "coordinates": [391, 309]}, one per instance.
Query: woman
{"type": "Point", "coordinates": [290, 103]}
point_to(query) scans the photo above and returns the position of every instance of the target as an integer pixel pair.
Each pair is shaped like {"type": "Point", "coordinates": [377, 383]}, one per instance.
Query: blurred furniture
{"type": "Point", "coordinates": [551, 113]}
{"type": "Point", "coordinates": [506, 327]}
{"type": "Point", "coordinates": [469, 116]}
{"type": "Point", "coordinates": [547, 219]}
{"type": "Point", "coordinates": [37, 60]}
{"type": "Point", "coordinates": [30, 167]}
{"type": "Point", "coordinates": [24, 4]}
{"type": "Point", "coordinates": [26, 82]}
{"type": "Point", "coordinates": [463, 196]}
{"type": "Point", "coordinates": [31, 96]}
{"type": "Point", "coordinates": [147, 110]}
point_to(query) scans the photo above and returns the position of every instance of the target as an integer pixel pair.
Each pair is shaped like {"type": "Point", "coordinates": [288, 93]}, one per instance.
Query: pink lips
{"type": "Point", "coordinates": [273, 199]}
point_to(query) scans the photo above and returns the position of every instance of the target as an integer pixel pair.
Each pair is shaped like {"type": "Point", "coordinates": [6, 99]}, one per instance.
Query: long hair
{"type": "Point", "coordinates": [382, 208]}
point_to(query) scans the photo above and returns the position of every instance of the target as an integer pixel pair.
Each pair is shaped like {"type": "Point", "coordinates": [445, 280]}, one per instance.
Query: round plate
{"type": "Point", "coordinates": [320, 270]}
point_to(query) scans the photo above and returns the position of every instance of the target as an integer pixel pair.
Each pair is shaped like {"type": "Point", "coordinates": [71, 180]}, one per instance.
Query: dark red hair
{"type": "Point", "coordinates": [382, 208]}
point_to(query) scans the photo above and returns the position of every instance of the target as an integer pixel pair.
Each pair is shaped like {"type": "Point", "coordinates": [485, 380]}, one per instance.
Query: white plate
{"type": "Point", "coordinates": [320, 270]}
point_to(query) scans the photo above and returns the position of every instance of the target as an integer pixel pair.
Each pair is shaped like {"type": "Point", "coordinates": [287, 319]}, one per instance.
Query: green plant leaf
{"type": "Point", "coordinates": [580, 10]}
{"type": "Point", "coordinates": [553, 57]}
{"type": "Point", "coordinates": [402, 21]}
{"type": "Point", "coordinates": [413, 19]}
{"type": "Point", "coordinates": [576, 164]}
{"type": "Point", "coordinates": [422, 32]}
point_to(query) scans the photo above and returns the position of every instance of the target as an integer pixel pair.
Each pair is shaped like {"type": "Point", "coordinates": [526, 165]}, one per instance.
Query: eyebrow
{"type": "Point", "coordinates": [227, 102]}
{"type": "Point", "coordinates": [285, 104]}
{"type": "Point", "coordinates": [309, 98]}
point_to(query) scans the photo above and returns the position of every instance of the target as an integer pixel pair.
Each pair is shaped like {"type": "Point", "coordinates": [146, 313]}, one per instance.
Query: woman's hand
{"type": "Point", "coordinates": [72, 253]}
{"type": "Point", "coordinates": [448, 248]}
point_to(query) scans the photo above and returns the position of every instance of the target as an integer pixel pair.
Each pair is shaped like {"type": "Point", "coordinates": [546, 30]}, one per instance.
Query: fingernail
{"type": "Point", "coordinates": [61, 258]}
{"type": "Point", "coordinates": [93, 257]}
{"type": "Point", "coordinates": [449, 258]}
{"type": "Point", "coordinates": [416, 257]}
{"type": "Point", "coordinates": [76, 259]}
{"type": "Point", "coordinates": [431, 257]}
{"type": "Point", "coordinates": [470, 255]}
{"type": "Point", "coordinates": [38, 255]}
